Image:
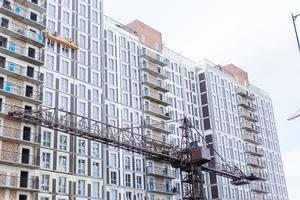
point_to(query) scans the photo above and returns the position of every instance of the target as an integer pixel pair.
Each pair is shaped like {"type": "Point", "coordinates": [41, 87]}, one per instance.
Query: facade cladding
{"type": "Point", "coordinates": [67, 55]}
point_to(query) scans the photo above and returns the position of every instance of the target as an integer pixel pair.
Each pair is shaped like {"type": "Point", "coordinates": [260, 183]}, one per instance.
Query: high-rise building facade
{"type": "Point", "coordinates": [67, 55]}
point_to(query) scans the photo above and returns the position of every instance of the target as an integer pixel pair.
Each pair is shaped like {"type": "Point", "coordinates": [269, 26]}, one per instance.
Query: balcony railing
{"type": "Point", "coordinates": [20, 92]}
{"type": "Point", "coordinates": [254, 150]}
{"type": "Point", "coordinates": [259, 174]}
{"type": "Point", "coordinates": [157, 97]}
{"type": "Point", "coordinates": [153, 57]}
{"type": "Point", "coordinates": [154, 70]}
{"type": "Point", "coordinates": [158, 140]}
{"type": "Point", "coordinates": [155, 84]}
{"type": "Point", "coordinates": [162, 188]}
{"type": "Point", "coordinates": [245, 93]}
{"type": "Point", "coordinates": [251, 127]}
{"type": "Point", "coordinates": [17, 134]}
{"type": "Point", "coordinates": [22, 72]}
{"type": "Point", "coordinates": [157, 111]}
{"type": "Point", "coordinates": [16, 158]}
{"type": "Point", "coordinates": [251, 137]}
{"type": "Point", "coordinates": [163, 172]}
{"type": "Point", "coordinates": [158, 126]}
{"type": "Point", "coordinates": [18, 13]}
{"type": "Point", "coordinates": [256, 162]}
{"type": "Point", "coordinates": [38, 5]}
{"type": "Point", "coordinates": [18, 51]}
{"type": "Point", "coordinates": [19, 183]}
{"type": "Point", "coordinates": [21, 33]}
{"type": "Point", "coordinates": [247, 104]}
{"type": "Point", "coordinates": [249, 115]}
{"type": "Point", "coordinates": [260, 187]}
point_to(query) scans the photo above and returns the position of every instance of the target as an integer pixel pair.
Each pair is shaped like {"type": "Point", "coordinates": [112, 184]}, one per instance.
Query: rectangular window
{"type": "Point", "coordinates": [82, 10]}
{"type": "Point", "coordinates": [64, 85]}
{"type": "Point", "coordinates": [96, 169]}
{"type": "Point", "coordinates": [96, 96]}
{"type": "Point", "coordinates": [113, 178]}
{"type": "Point", "coordinates": [50, 61]}
{"type": "Point", "coordinates": [95, 47]}
{"type": "Point", "coordinates": [138, 165]}
{"type": "Point", "coordinates": [64, 67]}
{"type": "Point", "coordinates": [48, 99]}
{"type": "Point", "coordinates": [139, 182]}
{"type": "Point", "coordinates": [96, 150]}
{"type": "Point", "coordinates": [96, 113]}
{"type": "Point", "coordinates": [128, 196]}
{"type": "Point", "coordinates": [46, 160]}
{"type": "Point", "coordinates": [82, 74]}
{"type": "Point", "coordinates": [63, 142]}
{"type": "Point", "coordinates": [45, 182]}
{"type": "Point", "coordinates": [66, 17]}
{"type": "Point", "coordinates": [127, 163]}
{"type": "Point", "coordinates": [81, 188]}
{"type": "Point", "coordinates": [81, 167]}
{"type": "Point", "coordinates": [81, 92]}
{"type": "Point", "coordinates": [95, 62]}
{"type": "Point", "coordinates": [82, 109]}
{"type": "Point", "coordinates": [62, 163]}
{"type": "Point", "coordinates": [127, 180]}
{"type": "Point", "coordinates": [96, 189]}
{"type": "Point", "coordinates": [49, 80]}
{"type": "Point", "coordinates": [110, 36]}
{"type": "Point", "coordinates": [62, 185]}
{"type": "Point", "coordinates": [95, 78]}
{"type": "Point", "coordinates": [46, 139]}
{"type": "Point", "coordinates": [81, 147]}
{"type": "Point", "coordinates": [64, 103]}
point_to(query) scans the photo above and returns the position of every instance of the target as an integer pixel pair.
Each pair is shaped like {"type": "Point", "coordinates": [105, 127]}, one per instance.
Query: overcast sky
{"type": "Point", "coordinates": [255, 35]}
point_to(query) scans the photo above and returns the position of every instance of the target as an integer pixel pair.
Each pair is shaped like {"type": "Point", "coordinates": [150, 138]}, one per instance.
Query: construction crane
{"type": "Point", "coordinates": [190, 157]}
{"type": "Point", "coordinates": [295, 115]}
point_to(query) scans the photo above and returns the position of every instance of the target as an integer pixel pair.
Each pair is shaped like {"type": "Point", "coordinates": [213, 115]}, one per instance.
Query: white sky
{"type": "Point", "coordinates": [255, 35]}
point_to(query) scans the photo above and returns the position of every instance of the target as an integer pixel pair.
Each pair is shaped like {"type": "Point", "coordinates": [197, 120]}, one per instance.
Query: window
{"type": "Point", "coordinates": [95, 78]}
{"type": "Point", "coordinates": [45, 182]}
{"type": "Point", "coordinates": [112, 110]}
{"type": "Point", "coordinates": [96, 113]}
{"type": "Point", "coordinates": [64, 67]}
{"type": "Point", "coordinates": [125, 98]}
{"type": "Point", "coordinates": [82, 25]}
{"type": "Point", "coordinates": [82, 57]}
{"type": "Point", "coordinates": [113, 160]}
{"type": "Point", "coordinates": [46, 139]}
{"type": "Point", "coordinates": [52, 10]}
{"type": "Point", "coordinates": [82, 41]}
{"type": "Point", "coordinates": [66, 32]}
{"type": "Point", "coordinates": [81, 167]}
{"type": "Point", "coordinates": [95, 62]}
{"type": "Point", "coordinates": [110, 36]}
{"type": "Point", "coordinates": [111, 94]}
{"type": "Point", "coordinates": [124, 70]}
{"type": "Point", "coordinates": [62, 184]}
{"type": "Point", "coordinates": [96, 150]}
{"type": "Point", "coordinates": [66, 3]}
{"type": "Point", "coordinates": [46, 160]}
{"type": "Point", "coordinates": [82, 74]}
{"type": "Point", "coordinates": [64, 103]}
{"type": "Point", "coordinates": [123, 42]}
{"type": "Point", "coordinates": [138, 165]}
{"type": "Point", "coordinates": [49, 80]}
{"type": "Point", "coordinates": [111, 79]}
{"type": "Point", "coordinates": [63, 142]}
{"type": "Point", "coordinates": [95, 46]}
{"type": "Point", "coordinates": [139, 182]}
{"type": "Point", "coordinates": [82, 10]}
{"type": "Point", "coordinates": [128, 196]}
{"type": "Point", "coordinates": [48, 99]}
{"type": "Point", "coordinates": [94, 16]}
{"type": "Point", "coordinates": [62, 163]}
{"type": "Point", "coordinates": [139, 196]}
{"type": "Point", "coordinates": [96, 169]}
{"type": "Point", "coordinates": [82, 110]}
{"type": "Point", "coordinates": [113, 178]}
{"type": "Point", "coordinates": [127, 180]}
{"type": "Point", "coordinates": [66, 17]}
{"type": "Point", "coordinates": [50, 61]}
{"type": "Point", "coordinates": [95, 3]}
{"type": "Point", "coordinates": [81, 146]}
{"type": "Point", "coordinates": [96, 96]}
{"type": "Point", "coordinates": [125, 84]}
{"type": "Point", "coordinates": [111, 64]}
{"type": "Point", "coordinates": [123, 56]}
{"type": "Point", "coordinates": [114, 195]}
{"type": "Point", "coordinates": [127, 163]}
{"type": "Point", "coordinates": [81, 188]}
{"type": "Point", "coordinates": [64, 85]}
{"type": "Point", "coordinates": [81, 92]}
{"type": "Point", "coordinates": [110, 50]}
{"type": "Point", "coordinates": [95, 31]}
{"type": "Point", "coordinates": [96, 189]}
{"type": "Point", "coordinates": [51, 26]}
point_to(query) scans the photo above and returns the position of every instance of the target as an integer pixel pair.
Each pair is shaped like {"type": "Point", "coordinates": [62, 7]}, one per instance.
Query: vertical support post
{"type": "Point", "coordinates": [295, 28]}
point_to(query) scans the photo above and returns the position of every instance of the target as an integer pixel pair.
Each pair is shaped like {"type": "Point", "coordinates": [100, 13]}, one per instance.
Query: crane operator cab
{"type": "Point", "coordinates": [199, 154]}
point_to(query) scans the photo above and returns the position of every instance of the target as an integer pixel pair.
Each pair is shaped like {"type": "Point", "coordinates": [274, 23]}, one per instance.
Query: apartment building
{"type": "Point", "coordinates": [67, 55]}
{"type": "Point", "coordinates": [238, 120]}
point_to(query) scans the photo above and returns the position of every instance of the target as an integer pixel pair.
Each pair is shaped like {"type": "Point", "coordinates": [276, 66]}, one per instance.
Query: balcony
{"type": "Point", "coordinates": [21, 33]}
{"type": "Point", "coordinates": [160, 112]}
{"type": "Point", "coordinates": [21, 52]}
{"type": "Point", "coordinates": [244, 103]}
{"type": "Point", "coordinates": [162, 189]}
{"type": "Point", "coordinates": [155, 84]}
{"type": "Point", "coordinates": [248, 115]}
{"type": "Point", "coordinates": [161, 172]}
{"type": "Point", "coordinates": [19, 159]}
{"type": "Point", "coordinates": [17, 135]}
{"type": "Point", "coordinates": [245, 93]}
{"type": "Point", "coordinates": [161, 127]}
{"type": "Point", "coordinates": [157, 140]}
{"type": "Point", "coordinates": [22, 15]}
{"type": "Point", "coordinates": [38, 5]}
{"type": "Point", "coordinates": [252, 138]}
{"type": "Point", "coordinates": [256, 162]}
{"type": "Point", "coordinates": [256, 151]}
{"type": "Point", "coordinates": [259, 187]}
{"type": "Point", "coordinates": [22, 93]}
{"type": "Point", "coordinates": [156, 97]}
{"type": "Point", "coordinates": [153, 57]}
{"type": "Point", "coordinates": [20, 72]}
{"type": "Point", "coordinates": [259, 174]}
{"type": "Point", "coordinates": [251, 127]}
{"type": "Point", "coordinates": [154, 70]}
{"type": "Point", "coordinates": [19, 183]}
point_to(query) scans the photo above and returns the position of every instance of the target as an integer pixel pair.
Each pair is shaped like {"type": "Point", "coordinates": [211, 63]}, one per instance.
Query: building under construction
{"type": "Point", "coordinates": [94, 109]}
